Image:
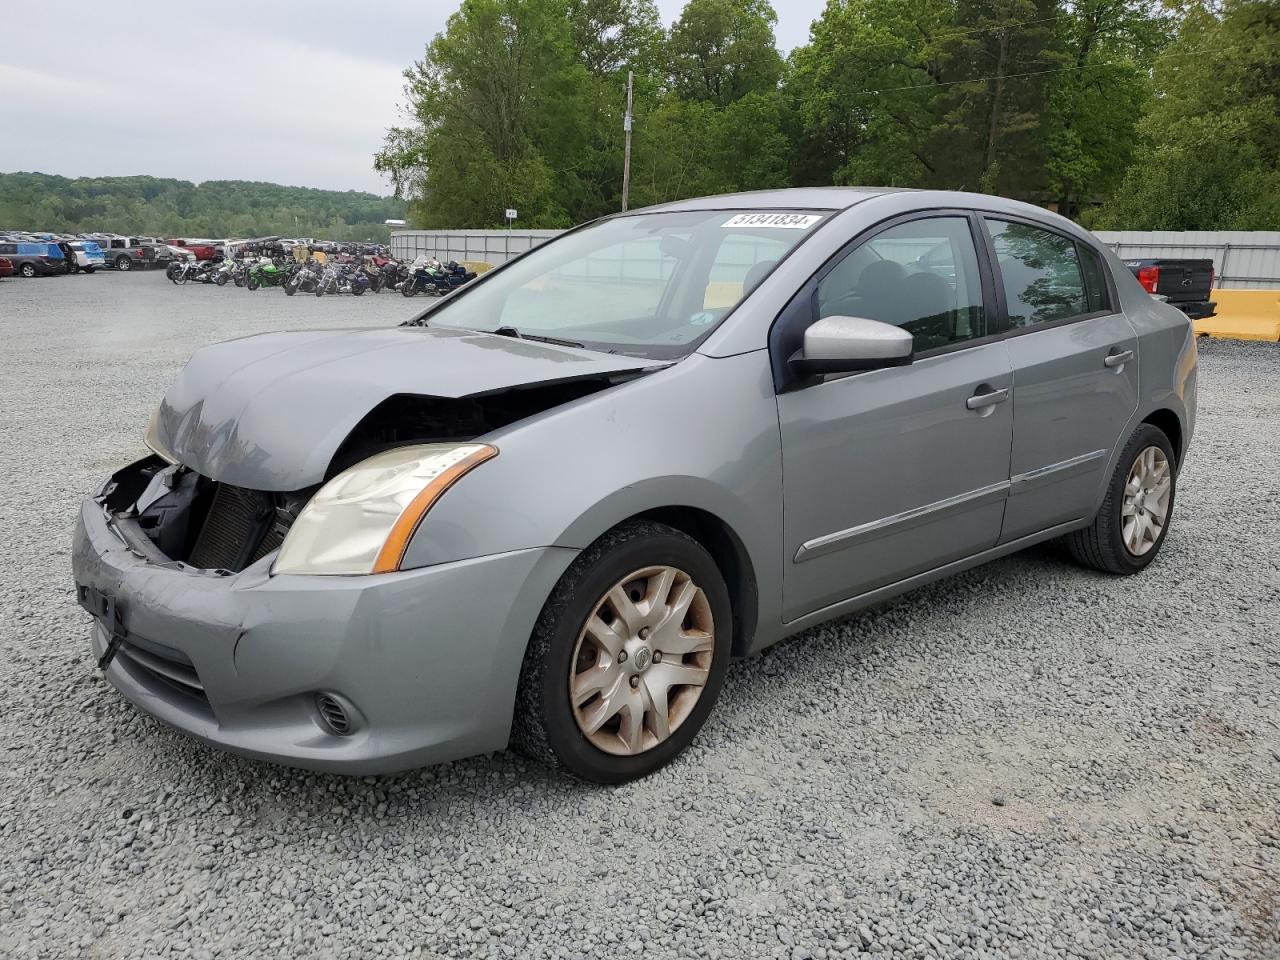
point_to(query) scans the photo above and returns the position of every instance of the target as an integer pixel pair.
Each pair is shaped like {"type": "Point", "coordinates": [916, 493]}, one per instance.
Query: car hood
{"type": "Point", "coordinates": [268, 412]}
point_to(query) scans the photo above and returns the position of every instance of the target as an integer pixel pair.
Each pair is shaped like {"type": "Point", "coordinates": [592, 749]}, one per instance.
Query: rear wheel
{"type": "Point", "coordinates": [1134, 518]}
{"type": "Point", "coordinates": [628, 656]}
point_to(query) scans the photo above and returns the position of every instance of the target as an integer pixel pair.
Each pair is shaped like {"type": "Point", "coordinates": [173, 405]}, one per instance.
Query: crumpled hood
{"type": "Point", "coordinates": [268, 412]}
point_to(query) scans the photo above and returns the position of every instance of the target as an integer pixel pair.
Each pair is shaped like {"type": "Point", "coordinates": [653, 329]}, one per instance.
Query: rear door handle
{"type": "Point", "coordinates": [981, 400]}
{"type": "Point", "coordinates": [1115, 359]}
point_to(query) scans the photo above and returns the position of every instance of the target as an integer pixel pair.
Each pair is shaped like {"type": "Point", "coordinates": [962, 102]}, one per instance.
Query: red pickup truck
{"type": "Point", "coordinates": [203, 249]}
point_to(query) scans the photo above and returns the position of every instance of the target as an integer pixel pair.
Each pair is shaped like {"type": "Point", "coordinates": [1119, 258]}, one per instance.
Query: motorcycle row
{"type": "Point", "coordinates": [356, 276]}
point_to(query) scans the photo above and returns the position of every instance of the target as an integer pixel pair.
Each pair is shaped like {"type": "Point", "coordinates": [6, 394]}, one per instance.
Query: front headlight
{"type": "Point", "coordinates": [361, 521]}
{"type": "Point", "coordinates": [152, 438]}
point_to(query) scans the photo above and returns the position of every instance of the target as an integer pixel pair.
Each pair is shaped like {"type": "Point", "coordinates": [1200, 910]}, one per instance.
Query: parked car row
{"type": "Point", "coordinates": [48, 254]}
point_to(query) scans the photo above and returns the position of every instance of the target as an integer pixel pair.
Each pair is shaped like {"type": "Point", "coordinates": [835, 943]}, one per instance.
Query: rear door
{"type": "Point", "coordinates": [1075, 372]}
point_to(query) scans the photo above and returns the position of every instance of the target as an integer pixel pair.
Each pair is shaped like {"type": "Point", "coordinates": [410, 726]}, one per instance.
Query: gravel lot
{"type": "Point", "coordinates": [1030, 760]}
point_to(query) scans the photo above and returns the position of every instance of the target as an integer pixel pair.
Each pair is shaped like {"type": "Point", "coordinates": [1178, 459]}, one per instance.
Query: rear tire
{"type": "Point", "coordinates": [1130, 527]}
{"type": "Point", "coordinates": [629, 561]}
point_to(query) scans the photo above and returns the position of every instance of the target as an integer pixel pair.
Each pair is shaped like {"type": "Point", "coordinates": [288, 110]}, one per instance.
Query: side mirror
{"type": "Point", "coordinates": [847, 344]}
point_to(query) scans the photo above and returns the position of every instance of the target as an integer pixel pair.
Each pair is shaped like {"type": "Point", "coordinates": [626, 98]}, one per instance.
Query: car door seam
{"type": "Point", "coordinates": [1051, 473]}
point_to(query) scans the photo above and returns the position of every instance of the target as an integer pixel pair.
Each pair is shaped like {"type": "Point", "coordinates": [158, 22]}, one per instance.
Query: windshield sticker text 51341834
{"type": "Point", "coordinates": [778, 221]}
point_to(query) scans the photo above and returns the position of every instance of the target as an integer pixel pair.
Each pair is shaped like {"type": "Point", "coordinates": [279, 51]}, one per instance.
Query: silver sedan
{"type": "Point", "coordinates": [551, 508]}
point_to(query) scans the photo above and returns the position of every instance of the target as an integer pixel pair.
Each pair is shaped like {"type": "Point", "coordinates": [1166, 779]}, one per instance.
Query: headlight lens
{"type": "Point", "coordinates": [152, 439]}
{"type": "Point", "coordinates": [361, 521]}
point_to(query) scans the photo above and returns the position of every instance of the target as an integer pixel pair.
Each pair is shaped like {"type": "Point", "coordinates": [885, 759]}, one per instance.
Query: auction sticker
{"type": "Point", "coordinates": [777, 221]}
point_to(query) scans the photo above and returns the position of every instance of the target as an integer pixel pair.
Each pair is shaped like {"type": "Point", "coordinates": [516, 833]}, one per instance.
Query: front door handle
{"type": "Point", "coordinates": [980, 401]}
{"type": "Point", "coordinates": [1115, 359]}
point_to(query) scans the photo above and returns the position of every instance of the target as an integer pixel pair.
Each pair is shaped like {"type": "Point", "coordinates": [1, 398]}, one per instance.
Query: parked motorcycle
{"type": "Point", "coordinates": [266, 274]}
{"type": "Point", "coordinates": [303, 279]}
{"type": "Point", "coordinates": [180, 271]}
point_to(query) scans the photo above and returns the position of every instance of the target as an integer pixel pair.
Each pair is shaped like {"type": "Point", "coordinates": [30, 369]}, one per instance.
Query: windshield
{"type": "Point", "coordinates": [651, 285]}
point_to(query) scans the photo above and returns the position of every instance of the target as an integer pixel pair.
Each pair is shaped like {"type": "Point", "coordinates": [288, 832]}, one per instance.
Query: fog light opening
{"type": "Point", "coordinates": [335, 716]}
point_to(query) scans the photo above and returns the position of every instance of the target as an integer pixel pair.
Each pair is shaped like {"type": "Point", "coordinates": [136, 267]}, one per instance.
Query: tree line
{"type": "Point", "coordinates": [149, 206]}
{"type": "Point", "coordinates": [1123, 113]}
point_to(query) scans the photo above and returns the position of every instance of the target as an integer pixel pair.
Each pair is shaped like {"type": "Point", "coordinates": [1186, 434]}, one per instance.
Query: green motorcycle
{"type": "Point", "coordinates": [269, 274]}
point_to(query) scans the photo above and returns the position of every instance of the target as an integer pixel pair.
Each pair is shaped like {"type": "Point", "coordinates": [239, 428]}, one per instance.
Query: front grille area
{"type": "Point", "coordinates": [240, 528]}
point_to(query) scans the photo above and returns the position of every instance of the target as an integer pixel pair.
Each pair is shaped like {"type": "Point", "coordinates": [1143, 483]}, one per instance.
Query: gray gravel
{"type": "Point", "coordinates": [1030, 760]}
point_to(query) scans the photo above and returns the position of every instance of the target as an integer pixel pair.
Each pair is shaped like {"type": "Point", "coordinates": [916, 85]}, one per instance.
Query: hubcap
{"type": "Point", "coordinates": [1145, 510]}
{"type": "Point", "coordinates": [642, 660]}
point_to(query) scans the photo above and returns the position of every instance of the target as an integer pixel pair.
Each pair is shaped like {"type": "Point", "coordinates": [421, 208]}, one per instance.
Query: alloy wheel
{"type": "Point", "coordinates": [641, 660]}
{"type": "Point", "coordinates": [1145, 509]}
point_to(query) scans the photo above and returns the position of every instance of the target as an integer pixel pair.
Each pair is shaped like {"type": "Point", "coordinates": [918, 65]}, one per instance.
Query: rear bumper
{"type": "Point", "coordinates": [427, 660]}
{"type": "Point", "coordinates": [1196, 310]}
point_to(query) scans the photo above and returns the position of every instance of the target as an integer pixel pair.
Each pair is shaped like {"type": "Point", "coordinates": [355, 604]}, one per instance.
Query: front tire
{"type": "Point", "coordinates": [27, 270]}
{"type": "Point", "coordinates": [124, 263]}
{"type": "Point", "coordinates": [627, 657]}
{"type": "Point", "coordinates": [1134, 519]}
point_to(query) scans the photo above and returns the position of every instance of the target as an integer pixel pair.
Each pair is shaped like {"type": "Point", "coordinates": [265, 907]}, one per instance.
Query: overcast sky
{"type": "Point", "coordinates": [234, 91]}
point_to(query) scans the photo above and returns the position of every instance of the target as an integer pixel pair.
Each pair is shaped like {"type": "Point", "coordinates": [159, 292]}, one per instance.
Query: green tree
{"type": "Point", "coordinates": [722, 50]}
{"type": "Point", "coordinates": [1208, 156]}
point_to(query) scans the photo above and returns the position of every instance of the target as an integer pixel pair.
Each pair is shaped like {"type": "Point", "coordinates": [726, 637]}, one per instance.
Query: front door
{"type": "Point", "coordinates": [895, 471]}
{"type": "Point", "coordinates": [1075, 368]}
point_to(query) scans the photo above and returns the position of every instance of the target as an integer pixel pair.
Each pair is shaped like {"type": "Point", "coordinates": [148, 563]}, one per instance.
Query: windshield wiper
{"type": "Point", "coordinates": [517, 335]}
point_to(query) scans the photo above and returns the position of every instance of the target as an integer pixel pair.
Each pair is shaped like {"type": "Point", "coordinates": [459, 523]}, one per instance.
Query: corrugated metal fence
{"type": "Point", "coordinates": [495, 246]}
{"type": "Point", "coordinates": [1243, 260]}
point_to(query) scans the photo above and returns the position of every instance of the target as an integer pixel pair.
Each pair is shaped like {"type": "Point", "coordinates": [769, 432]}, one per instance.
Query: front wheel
{"type": "Point", "coordinates": [627, 657]}
{"type": "Point", "coordinates": [290, 289]}
{"type": "Point", "coordinates": [409, 289]}
{"type": "Point", "coordinates": [220, 279]}
{"type": "Point", "coordinates": [27, 270]}
{"type": "Point", "coordinates": [124, 263]}
{"type": "Point", "coordinates": [1134, 519]}
{"type": "Point", "coordinates": [89, 270]}
{"type": "Point", "coordinates": [253, 283]}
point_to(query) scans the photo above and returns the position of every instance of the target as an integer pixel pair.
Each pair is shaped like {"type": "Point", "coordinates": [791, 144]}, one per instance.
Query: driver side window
{"type": "Point", "coordinates": [921, 276]}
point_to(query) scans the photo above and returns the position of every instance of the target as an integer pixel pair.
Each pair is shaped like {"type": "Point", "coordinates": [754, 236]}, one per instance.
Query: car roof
{"type": "Point", "coordinates": [790, 198]}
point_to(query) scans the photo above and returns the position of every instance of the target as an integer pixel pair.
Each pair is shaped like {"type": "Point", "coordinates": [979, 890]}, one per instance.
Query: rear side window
{"type": "Point", "coordinates": [1041, 273]}
{"type": "Point", "coordinates": [1095, 279]}
{"type": "Point", "coordinates": [921, 275]}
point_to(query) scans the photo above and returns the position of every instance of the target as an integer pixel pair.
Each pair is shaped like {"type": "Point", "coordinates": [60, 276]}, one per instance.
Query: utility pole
{"type": "Point", "coordinates": [626, 160]}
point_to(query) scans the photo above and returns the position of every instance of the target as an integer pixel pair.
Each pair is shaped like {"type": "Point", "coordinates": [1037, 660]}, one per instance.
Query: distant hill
{"type": "Point", "coordinates": [173, 208]}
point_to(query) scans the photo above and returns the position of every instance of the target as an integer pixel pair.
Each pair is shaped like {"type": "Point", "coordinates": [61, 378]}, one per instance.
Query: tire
{"type": "Point", "coordinates": [1103, 545]}
{"type": "Point", "coordinates": [28, 270]}
{"type": "Point", "coordinates": [89, 270]}
{"type": "Point", "coordinates": [253, 283]}
{"type": "Point", "coordinates": [290, 289]}
{"type": "Point", "coordinates": [221, 280]}
{"type": "Point", "coordinates": [357, 291]}
{"type": "Point", "coordinates": [124, 263]}
{"type": "Point", "coordinates": [410, 289]}
{"type": "Point", "coordinates": [546, 723]}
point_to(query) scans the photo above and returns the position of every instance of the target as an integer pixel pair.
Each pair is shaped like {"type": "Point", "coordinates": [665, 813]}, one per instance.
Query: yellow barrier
{"type": "Point", "coordinates": [1244, 315]}
{"type": "Point", "coordinates": [477, 266]}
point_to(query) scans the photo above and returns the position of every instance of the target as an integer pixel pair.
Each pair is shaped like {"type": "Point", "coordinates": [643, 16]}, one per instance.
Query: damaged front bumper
{"type": "Point", "coordinates": [424, 662]}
